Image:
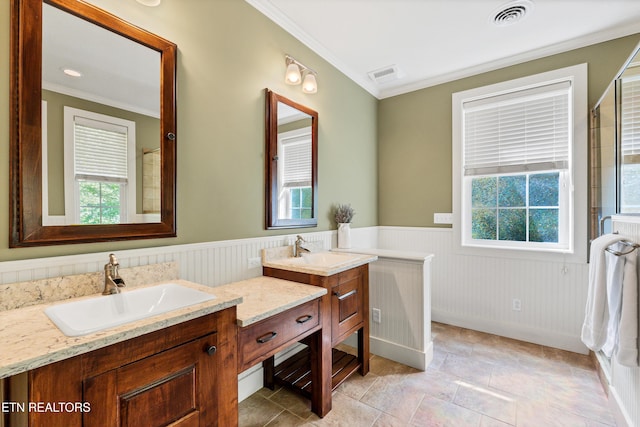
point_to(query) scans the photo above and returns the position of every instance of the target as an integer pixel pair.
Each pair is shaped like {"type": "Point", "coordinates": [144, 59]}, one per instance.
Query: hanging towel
{"type": "Point", "coordinates": [627, 343]}
{"type": "Point", "coordinates": [615, 275]}
{"type": "Point", "coordinates": [596, 319]}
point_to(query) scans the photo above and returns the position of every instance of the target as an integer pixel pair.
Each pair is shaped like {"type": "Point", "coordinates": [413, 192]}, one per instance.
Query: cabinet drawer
{"type": "Point", "coordinates": [263, 339]}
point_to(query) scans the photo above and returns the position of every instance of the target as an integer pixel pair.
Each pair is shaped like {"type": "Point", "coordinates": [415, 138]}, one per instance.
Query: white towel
{"type": "Point", "coordinates": [596, 318]}
{"type": "Point", "coordinates": [615, 275]}
{"type": "Point", "coordinates": [627, 343]}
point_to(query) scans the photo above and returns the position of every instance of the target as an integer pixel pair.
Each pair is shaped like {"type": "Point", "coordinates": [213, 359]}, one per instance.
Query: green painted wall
{"type": "Point", "coordinates": [228, 53]}
{"type": "Point", "coordinates": [414, 132]}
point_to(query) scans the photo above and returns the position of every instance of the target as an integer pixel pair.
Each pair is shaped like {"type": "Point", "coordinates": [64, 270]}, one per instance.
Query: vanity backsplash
{"type": "Point", "coordinates": [24, 294]}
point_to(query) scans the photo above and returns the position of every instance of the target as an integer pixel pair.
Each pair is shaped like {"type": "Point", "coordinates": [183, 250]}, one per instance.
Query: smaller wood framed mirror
{"type": "Point", "coordinates": [291, 172]}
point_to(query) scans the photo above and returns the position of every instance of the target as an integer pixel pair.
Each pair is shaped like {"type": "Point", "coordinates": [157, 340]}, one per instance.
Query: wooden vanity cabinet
{"type": "Point", "coordinates": [347, 300]}
{"type": "Point", "coordinates": [184, 375]}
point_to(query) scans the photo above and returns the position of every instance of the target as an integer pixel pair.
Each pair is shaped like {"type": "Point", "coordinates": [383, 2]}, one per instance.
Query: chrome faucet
{"type": "Point", "coordinates": [299, 248]}
{"type": "Point", "coordinates": [112, 280]}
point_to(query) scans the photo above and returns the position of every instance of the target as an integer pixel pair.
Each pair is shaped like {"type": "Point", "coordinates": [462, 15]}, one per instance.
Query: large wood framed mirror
{"type": "Point", "coordinates": [93, 103]}
{"type": "Point", "coordinates": [291, 163]}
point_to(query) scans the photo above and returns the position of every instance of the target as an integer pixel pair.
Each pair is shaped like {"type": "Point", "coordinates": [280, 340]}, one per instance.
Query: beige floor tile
{"type": "Point", "coordinates": [475, 379]}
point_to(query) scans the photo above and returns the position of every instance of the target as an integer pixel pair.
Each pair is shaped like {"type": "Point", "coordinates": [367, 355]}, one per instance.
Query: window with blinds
{"type": "Point", "coordinates": [100, 185]}
{"type": "Point", "coordinates": [296, 157]}
{"type": "Point", "coordinates": [516, 160]}
{"type": "Point", "coordinates": [630, 144]}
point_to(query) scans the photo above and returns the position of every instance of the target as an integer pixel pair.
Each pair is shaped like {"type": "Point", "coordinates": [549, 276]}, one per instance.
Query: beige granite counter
{"type": "Point", "coordinates": [263, 297]}
{"type": "Point", "coordinates": [28, 339]}
{"type": "Point", "coordinates": [282, 258]}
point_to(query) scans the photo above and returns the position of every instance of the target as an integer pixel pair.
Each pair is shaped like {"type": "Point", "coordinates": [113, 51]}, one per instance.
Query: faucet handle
{"type": "Point", "coordinates": [299, 239]}
{"type": "Point", "coordinates": [112, 259]}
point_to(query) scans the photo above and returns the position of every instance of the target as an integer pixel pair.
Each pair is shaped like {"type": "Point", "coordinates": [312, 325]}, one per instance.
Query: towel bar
{"type": "Point", "coordinates": [631, 245]}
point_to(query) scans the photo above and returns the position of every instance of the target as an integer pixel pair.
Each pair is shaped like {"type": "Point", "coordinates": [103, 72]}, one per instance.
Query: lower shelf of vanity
{"type": "Point", "coordinates": [295, 372]}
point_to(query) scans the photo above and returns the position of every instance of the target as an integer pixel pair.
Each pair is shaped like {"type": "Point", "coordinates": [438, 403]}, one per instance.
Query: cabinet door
{"type": "Point", "coordinates": [346, 305]}
{"type": "Point", "coordinates": [174, 387]}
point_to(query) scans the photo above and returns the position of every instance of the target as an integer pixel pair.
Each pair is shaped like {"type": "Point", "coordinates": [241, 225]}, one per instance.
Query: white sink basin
{"type": "Point", "coordinates": [91, 315]}
{"type": "Point", "coordinates": [320, 259]}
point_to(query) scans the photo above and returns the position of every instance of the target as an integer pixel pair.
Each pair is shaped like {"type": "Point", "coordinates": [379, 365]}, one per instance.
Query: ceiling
{"type": "Point", "coordinates": [434, 41]}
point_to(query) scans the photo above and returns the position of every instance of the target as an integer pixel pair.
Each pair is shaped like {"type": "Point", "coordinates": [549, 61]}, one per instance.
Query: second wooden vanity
{"type": "Point", "coordinates": [347, 312]}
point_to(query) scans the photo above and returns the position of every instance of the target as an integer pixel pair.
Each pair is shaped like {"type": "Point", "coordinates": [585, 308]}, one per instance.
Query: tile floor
{"type": "Point", "coordinates": [475, 379]}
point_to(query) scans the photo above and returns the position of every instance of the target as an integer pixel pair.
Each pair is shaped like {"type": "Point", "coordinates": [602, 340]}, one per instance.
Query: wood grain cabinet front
{"type": "Point", "coordinates": [262, 339]}
{"type": "Point", "coordinates": [183, 375]}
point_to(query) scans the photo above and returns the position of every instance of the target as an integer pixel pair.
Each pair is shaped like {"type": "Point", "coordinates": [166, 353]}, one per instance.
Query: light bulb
{"type": "Point", "coordinates": [292, 77]}
{"type": "Point", "coordinates": [309, 85]}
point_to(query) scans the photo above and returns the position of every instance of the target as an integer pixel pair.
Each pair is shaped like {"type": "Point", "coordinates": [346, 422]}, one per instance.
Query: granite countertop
{"type": "Point", "coordinates": [282, 258]}
{"type": "Point", "coordinates": [263, 297]}
{"type": "Point", "coordinates": [30, 340]}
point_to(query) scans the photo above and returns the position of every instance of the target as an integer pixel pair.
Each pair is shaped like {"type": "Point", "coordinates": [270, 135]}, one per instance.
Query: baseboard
{"type": "Point", "coordinates": [512, 330]}
{"type": "Point", "coordinates": [396, 352]}
{"type": "Point", "coordinates": [250, 381]}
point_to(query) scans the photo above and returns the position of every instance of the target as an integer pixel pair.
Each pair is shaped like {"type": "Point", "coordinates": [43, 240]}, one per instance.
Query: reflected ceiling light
{"type": "Point", "coordinates": [71, 72]}
{"type": "Point", "coordinates": [151, 3]}
{"type": "Point", "coordinates": [295, 72]}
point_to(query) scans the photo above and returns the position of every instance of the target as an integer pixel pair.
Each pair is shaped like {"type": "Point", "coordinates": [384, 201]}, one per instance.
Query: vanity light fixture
{"type": "Point", "coordinates": [295, 72]}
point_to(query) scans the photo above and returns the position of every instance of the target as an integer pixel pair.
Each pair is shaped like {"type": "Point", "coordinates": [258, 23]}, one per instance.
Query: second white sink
{"type": "Point", "coordinates": [91, 315]}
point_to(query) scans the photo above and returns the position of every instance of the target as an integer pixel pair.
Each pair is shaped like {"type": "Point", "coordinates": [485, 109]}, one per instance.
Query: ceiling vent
{"type": "Point", "coordinates": [386, 74]}
{"type": "Point", "coordinates": [510, 13]}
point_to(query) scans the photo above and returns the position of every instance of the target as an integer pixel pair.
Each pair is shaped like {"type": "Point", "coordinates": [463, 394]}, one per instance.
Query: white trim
{"type": "Point", "coordinates": [397, 352]}
{"type": "Point", "coordinates": [545, 337]}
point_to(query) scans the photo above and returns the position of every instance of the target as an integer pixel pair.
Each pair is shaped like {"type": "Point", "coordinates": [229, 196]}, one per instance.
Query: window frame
{"type": "Point", "coordinates": [71, 184]}
{"type": "Point", "coordinates": [576, 176]}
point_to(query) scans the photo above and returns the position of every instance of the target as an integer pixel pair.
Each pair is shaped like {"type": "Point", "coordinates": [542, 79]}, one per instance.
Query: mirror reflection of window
{"type": "Point", "coordinates": [630, 141]}
{"type": "Point", "coordinates": [102, 151]}
{"type": "Point", "coordinates": [294, 180]}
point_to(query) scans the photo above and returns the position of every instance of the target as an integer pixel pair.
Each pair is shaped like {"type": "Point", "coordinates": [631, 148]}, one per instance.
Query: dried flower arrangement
{"type": "Point", "coordinates": [343, 213]}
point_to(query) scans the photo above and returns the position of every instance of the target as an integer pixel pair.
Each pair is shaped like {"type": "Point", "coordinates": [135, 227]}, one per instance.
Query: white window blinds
{"type": "Point", "coordinates": [630, 120]}
{"type": "Point", "coordinates": [100, 150]}
{"type": "Point", "coordinates": [297, 161]}
{"type": "Point", "coordinates": [525, 130]}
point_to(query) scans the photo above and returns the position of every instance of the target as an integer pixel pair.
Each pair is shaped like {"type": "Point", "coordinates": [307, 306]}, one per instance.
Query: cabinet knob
{"type": "Point", "coordinates": [211, 350]}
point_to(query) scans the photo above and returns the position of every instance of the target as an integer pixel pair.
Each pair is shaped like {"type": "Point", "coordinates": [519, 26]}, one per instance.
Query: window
{"type": "Point", "coordinates": [630, 145]}
{"type": "Point", "coordinates": [514, 163]}
{"type": "Point", "coordinates": [102, 152]}
{"type": "Point", "coordinates": [296, 200]}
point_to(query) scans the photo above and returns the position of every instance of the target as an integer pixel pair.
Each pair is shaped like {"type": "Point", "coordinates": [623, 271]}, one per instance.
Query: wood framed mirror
{"type": "Point", "coordinates": [108, 210]}
{"type": "Point", "coordinates": [291, 172]}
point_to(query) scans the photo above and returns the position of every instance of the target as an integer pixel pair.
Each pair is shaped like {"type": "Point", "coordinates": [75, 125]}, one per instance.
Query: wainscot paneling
{"type": "Point", "coordinates": [477, 292]}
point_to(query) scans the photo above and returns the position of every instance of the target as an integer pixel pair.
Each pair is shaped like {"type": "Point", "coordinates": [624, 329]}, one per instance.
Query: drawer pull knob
{"type": "Point", "coordinates": [304, 319]}
{"type": "Point", "coordinates": [267, 337]}
{"type": "Point", "coordinates": [211, 350]}
{"type": "Point", "coordinates": [347, 295]}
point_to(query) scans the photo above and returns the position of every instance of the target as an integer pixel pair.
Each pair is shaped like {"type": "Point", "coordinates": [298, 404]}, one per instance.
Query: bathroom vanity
{"type": "Point", "coordinates": [177, 367]}
{"type": "Point", "coordinates": [346, 279]}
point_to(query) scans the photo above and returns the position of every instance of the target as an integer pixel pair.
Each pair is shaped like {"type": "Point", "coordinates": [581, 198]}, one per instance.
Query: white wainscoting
{"type": "Point", "coordinates": [401, 290]}
{"type": "Point", "coordinates": [624, 381]}
{"type": "Point", "coordinates": [477, 292]}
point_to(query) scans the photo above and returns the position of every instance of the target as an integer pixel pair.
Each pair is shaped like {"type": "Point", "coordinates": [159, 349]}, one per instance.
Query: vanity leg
{"type": "Point", "coordinates": [363, 333]}
{"type": "Point", "coordinates": [268, 373]}
{"type": "Point", "coordinates": [321, 369]}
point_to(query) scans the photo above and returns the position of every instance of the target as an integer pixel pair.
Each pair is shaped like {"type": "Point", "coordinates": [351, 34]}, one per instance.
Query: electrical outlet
{"type": "Point", "coordinates": [443, 218]}
{"type": "Point", "coordinates": [376, 314]}
{"type": "Point", "coordinates": [516, 304]}
{"type": "Point", "coordinates": [255, 262]}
